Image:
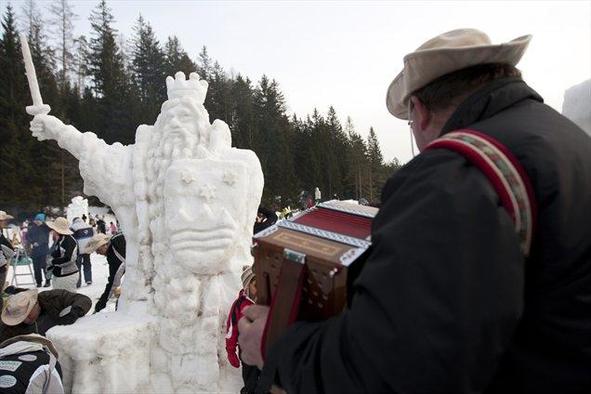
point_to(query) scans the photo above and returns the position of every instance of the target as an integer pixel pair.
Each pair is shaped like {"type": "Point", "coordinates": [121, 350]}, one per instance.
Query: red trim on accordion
{"type": "Point", "coordinates": [337, 222]}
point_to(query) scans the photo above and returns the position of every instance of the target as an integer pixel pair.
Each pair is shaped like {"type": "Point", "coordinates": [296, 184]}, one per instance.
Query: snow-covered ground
{"type": "Point", "coordinates": [100, 273]}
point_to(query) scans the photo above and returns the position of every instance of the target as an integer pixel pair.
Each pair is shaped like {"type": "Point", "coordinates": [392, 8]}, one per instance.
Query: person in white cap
{"type": "Point", "coordinates": [246, 297]}
{"type": "Point", "coordinates": [478, 279]}
{"type": "Point", "coordinates": [63, 258]}
{"type": "Point", "coordinates": [29, 312]}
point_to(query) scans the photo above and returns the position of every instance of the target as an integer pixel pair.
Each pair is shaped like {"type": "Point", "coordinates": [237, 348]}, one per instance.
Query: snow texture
{"type": "Point", "coordinates": [577, 105]}
{"type": "Point", "coordinates": [186, 202]}
{"type": "Point", "coordinates": [77, 208]}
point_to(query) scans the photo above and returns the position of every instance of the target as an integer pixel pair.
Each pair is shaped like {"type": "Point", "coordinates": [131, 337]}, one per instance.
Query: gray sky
{"type": "Point", "coordinates": [346, 53]}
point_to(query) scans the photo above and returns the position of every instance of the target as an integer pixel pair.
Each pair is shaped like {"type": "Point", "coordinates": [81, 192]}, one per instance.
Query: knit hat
{"type": "Point", "coordinates": [247, 276]}
{"type": "Point", "coordinates": [60, 225]}
{"type": "Point", "coordinates": [40, 217]}
{"type": "Point", "coordinates": [18, 306]}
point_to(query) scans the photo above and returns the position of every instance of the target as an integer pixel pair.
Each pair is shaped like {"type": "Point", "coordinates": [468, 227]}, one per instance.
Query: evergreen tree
{"type": "Point", "coordinates": [205, 66]}
{"type": "Point", "coordinates": [107, 74]}
{"type": "Point", "coordinates": [376, 162]}
{"type": "Point", "coordinates": [274, 137]}
{"type": "Point", "coordinates": [241, 119]}
{"type": "Point", "coordinates": [147, 67]}
{"type": "Point", "coordinates": [14, 96]}
{"type": "Point", "coordinates": [176, 59]}
{"type": "Point", "coordinates": [62, 17]}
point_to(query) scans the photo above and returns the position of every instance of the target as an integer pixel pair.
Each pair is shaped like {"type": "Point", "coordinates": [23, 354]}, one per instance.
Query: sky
{"type": "Point", "coordinates": [346, 53]}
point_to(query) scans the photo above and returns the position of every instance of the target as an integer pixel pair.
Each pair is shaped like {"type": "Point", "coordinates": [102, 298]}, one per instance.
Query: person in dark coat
{"type": "Point", "coordinates": [37, 369]}
{"type": "Point", "coordinates": [447, 301]}
{"type": "Point", "coordinates": [265, 218]}
{"type": "Point", "coordinates": [101, 226]}
{"type": "Point", "coordinates": [38, 239]}
{"type": "Point", "coordinates": [114, 248]}
{"type": "Point", "coordinates": [82, 233]}
{"type": "Point", "coordinates": [64, 255]}
{"type": "Point", "coordinates": [29, 312]}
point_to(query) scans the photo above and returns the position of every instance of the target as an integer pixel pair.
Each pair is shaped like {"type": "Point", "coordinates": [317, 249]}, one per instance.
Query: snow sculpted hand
{"type": "Point", "coordinates": [46, 127]}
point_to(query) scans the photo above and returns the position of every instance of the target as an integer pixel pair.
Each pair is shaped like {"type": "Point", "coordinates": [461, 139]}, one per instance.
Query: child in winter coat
{"type": "Point", "coordinates": [246, 297]}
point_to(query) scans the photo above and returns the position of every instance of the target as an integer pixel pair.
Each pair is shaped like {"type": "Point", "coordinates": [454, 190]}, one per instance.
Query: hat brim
{"type": "Point", "coordinates": [6, 217]}
{"type": "Point", "coordinates": [61, 230]}
{"type": "Point", "coordinates": [428, 65]}
{"type": "Point", "coordinates": [91, 247]}
{"type": "Point", "coordinates": [16, 320]}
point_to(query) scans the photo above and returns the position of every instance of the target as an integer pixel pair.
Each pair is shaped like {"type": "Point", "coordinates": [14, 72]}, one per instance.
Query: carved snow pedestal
{"type": "Point", "coordinates": [186, 201]}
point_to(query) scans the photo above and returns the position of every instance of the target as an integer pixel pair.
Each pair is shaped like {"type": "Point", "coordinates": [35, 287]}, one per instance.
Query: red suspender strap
{"type": "Point", "coordinates": [504, 172]}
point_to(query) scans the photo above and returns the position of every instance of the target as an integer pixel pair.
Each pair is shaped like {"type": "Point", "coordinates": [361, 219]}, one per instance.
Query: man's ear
{"type": "Point", "coordinates": [422, 114]}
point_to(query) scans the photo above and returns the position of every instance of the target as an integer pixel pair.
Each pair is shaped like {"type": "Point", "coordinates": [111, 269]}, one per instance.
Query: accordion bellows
{"type": "Point", "coordinates": [302, 263]}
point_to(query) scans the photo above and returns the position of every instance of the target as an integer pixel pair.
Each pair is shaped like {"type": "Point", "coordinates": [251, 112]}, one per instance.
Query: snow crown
{"type": "Point", "coordinates": [178, 87]}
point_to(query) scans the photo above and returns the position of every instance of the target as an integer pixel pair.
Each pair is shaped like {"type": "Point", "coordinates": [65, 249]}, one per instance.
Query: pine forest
{"type": "Point", "coordinates": [110, 85]}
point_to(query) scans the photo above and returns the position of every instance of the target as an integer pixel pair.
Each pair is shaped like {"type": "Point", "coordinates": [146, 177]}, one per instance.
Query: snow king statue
{"type": "Point", "coordinates": [186, 201]}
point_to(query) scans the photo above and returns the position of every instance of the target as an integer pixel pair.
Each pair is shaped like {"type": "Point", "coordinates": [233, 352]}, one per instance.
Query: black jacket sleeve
{"type": "Point", "coordinates": [436, 302]}
{"type": "Point", "coordinates": [118, 243]}
{"type": "Point", "coordinates": [69, 244]}
{"type": "Point", "coordinates": [4, 241]}
{"type": "Point", "coordinates": [54, 301]}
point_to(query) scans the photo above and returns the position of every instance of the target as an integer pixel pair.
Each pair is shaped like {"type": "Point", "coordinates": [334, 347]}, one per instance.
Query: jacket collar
{"type": "Point", "coordinates": [488, 101]}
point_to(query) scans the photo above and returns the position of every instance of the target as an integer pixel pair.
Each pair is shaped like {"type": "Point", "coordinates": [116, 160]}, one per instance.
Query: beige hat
{"type": "Point", "coordinates": [446, 53]}
{"type": "Point", "coordinates": [60, 225]}
{"type": "Point", "coordinates": [96, 242]}
{"type": "Point", "coordinates": [5, 216]}
{"type": "Point", "coordinates": [18, 306]}
{"type": "Point", "coordinates": [32, 338]}
{"type": "Point", "coordinates": [247, 276]}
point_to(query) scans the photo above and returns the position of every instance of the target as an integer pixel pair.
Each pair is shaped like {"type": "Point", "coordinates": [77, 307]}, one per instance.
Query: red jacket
{"type": "Point", "coordinates": [236, 313]}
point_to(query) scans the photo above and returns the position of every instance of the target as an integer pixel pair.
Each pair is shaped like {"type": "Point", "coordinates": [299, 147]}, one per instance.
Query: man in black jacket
{"type": "Point", "coordinates": [114, 248]}
{"type": "Point", "coordinates": [446, 301]}
{"type": "Point", "coordinates": [29, 312]}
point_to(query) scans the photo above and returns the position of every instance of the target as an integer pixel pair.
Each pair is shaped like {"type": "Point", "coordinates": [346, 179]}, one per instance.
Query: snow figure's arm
{"type": "Point", "coordinates": [106, 169]}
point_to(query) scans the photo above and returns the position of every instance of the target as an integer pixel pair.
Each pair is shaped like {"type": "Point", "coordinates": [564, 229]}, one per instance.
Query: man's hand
{"type": "Point", "coordinates": [251, 328]}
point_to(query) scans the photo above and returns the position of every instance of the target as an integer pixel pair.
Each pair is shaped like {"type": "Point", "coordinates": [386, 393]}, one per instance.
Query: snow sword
{"type": "Point", "coordinates": [38, 108]}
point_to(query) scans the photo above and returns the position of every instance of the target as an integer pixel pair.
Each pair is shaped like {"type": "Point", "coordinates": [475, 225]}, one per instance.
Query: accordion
{"type": "Point", "coordinates": [303, 264]}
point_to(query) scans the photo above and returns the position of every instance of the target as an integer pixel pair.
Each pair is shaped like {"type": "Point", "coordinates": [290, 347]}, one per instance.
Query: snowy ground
{"type": "Point", "coordinates": [100, 273]}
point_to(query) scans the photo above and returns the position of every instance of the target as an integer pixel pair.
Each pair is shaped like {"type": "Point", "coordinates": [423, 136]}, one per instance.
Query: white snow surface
{"type": "Point", "coordinates": [186, 202]}
{"type": "Point", "coordinates": [577, 105]}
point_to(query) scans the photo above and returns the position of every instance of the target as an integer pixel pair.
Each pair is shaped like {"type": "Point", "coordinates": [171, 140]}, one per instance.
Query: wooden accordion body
{"type": "Point", "coordinates": [302, 264]}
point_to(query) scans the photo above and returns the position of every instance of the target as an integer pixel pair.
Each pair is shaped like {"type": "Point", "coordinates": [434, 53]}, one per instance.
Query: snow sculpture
{"type": "Point", "coordinates": [77, 208]}
{"type": "Point", "coordinates": [577, 105]}
{"type": "Point", "coordinates": [186, 201]}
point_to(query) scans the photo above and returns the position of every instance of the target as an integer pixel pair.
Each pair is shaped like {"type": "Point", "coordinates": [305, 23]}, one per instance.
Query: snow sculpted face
{"type": "Point", "coordinates": [204, 199]}
{"type": "Point", "coordinates": [200, 183]}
